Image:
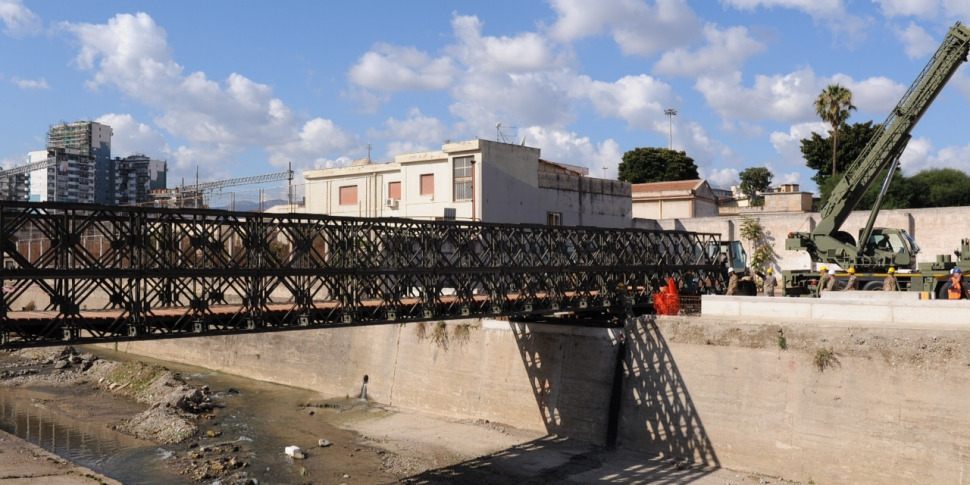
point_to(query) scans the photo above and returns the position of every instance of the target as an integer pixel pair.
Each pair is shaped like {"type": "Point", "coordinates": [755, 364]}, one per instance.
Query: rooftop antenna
{"type": "Point", "coordinates": [499, 136]}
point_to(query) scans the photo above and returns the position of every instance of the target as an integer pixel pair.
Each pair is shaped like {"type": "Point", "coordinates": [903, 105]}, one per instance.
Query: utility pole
{"type": "Point", "coordinates": [670, 112]}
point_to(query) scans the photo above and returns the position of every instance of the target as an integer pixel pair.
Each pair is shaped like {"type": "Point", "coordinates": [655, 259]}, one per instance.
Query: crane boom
{"type": "Point", "coordinates": [30, 167]}
{"type": "Point", "coordinates": [879, 152]}
{"type": "Point", "coordinates": [218, 184]}
{"type": "Point", "coordinates": [826, 242]}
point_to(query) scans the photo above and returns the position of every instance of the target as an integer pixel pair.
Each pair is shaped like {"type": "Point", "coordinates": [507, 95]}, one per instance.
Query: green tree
{"type": "Point", "coordinates": [817, 151]}
{"type": "Point", "coordinates": [940, 187]}
{"type": "Point", "coordinates": [834, 105]}
{"type": "Point", "coordinates": [761, 240]}
{"type": "Point", "coordinates": [642, 165]}
{"type": "Point", "coordinates": [754, 180]}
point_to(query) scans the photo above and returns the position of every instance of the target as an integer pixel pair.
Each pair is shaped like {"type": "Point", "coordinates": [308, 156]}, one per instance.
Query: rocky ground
{"type": "Point", "coordinates": [365, 442]}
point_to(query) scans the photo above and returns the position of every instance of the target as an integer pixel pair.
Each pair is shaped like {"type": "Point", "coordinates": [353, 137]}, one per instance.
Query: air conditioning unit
{"type": "Point", "coordinates": [391, 202]}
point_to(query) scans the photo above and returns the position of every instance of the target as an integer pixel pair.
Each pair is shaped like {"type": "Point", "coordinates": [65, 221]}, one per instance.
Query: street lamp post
{"type": "Point", "coordinates": [670, 112]}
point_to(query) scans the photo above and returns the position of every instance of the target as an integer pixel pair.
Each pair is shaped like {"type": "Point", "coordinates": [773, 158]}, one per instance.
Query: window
{"type": "Point", "coordinates": [394, 190]}
{"type": "Point", "coordinates": [348, 195]}
{"type": "Point", "coordinates": [427, 184]}
{"type": "Point", "coordinates": [463, 177]}
{"type": "Point", "coordinates": [554, 218]}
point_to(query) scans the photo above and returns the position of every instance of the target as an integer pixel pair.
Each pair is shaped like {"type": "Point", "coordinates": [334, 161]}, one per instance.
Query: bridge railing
{"type": "Point", "coordinates": [75, 272]}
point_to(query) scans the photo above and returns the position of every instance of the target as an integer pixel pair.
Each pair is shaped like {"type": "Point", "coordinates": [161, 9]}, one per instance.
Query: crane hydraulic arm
{"type": "Point", "coordinates": [826, 242]}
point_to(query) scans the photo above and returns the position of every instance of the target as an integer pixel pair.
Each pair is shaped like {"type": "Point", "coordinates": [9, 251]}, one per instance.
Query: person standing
{"type": "Point", "coordinates": [890, 283]}
{"type": "Point", "coordinates": [852, 283]}
{"type": "Point", "coordinates": [954, 288]}
{"type": "Point", "coordinates": [831, 284]}
{"type": "Point", "coordinates": [823, 280]}
{"type": "Point", "coordinates": [732, 288]}
{"type": "Point", "coordinates": [769, 283]}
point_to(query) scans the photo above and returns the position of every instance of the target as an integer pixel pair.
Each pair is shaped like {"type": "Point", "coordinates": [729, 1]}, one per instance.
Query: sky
{"type": "Point", "coordinates": [233, 89]}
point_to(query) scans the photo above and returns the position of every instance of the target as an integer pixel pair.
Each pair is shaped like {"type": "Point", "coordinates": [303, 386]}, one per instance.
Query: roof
{"type": "Point", "coordinates": [667, 186]}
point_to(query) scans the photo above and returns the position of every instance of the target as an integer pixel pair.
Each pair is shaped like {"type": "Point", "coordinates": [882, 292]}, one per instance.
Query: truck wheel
{"type": "Point", "coordinates": [873, 286]}
{"type": "Point", "coordinates": [747, 288]}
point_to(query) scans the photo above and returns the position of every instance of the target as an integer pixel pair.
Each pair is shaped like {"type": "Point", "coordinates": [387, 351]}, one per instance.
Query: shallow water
{"type": "Point", "coordinates": [263, 418]}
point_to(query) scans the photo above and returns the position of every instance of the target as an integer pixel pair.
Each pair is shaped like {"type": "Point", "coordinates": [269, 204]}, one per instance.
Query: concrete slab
{"type": "Point", "coordinates": [859, 307]}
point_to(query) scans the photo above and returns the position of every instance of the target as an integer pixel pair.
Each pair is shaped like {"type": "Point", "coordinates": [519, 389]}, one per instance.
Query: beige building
{"type": "Point", "coordinates": [674, 200]}
{"type": "Point", "coordinates": [471, 180]}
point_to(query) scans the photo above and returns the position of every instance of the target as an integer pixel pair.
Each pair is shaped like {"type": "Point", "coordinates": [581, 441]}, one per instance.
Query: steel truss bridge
{"type": "Point", "coordinates": [76, 273]}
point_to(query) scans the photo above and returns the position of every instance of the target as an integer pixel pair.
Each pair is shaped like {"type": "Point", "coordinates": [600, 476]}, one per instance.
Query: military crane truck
{"type": "Point", "coordinates": [874, 250]}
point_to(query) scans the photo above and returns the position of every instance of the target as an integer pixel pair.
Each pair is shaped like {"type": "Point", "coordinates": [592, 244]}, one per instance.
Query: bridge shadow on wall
{"type": "Point", "coordinates": [571, 376]}
{"type": "Point", "coordinates": [658, 415]}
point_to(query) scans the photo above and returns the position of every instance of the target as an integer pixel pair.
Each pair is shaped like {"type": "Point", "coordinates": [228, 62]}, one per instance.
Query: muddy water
{"type": "Point", "coordinates": [261, 418]}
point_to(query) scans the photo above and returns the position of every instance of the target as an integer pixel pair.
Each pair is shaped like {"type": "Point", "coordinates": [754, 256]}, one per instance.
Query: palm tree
{"type": "Point", "coordinates": [833, 106]}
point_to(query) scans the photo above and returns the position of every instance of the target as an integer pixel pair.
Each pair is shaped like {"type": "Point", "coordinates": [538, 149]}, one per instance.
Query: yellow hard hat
{"type": "Point", "coordinates": [892, 270]}
{"type": "Point", "coordinates": [822, 268]}
{"type": "Point", "coordinates": [769, 270]}
{"type": "Point", "coordinates": [851, 270]}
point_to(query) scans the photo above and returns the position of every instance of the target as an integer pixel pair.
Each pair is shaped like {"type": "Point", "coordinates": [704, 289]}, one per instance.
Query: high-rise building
{"type": "Point", "coordinates": [15, 187]}
{"type": "Point", "coordinates": [136, 176]}
{"type": "Point", "coordinates": [84, 170]}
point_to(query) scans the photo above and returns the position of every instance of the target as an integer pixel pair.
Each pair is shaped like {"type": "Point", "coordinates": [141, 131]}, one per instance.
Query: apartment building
{"type": "Point", "coordinates": [477, 180]}
{"type": "Point", "coordinates": [136, 176]}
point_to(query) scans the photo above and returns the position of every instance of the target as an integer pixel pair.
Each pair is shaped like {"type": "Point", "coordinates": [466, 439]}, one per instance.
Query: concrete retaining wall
{"type": "Point", "coordinates": [546, 378]}
{"type": "Point", "coordinates": [842, 402]}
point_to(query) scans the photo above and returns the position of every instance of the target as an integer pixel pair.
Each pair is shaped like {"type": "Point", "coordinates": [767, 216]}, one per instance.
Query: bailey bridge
{"type": "Point", "coordinates": [78, 273]}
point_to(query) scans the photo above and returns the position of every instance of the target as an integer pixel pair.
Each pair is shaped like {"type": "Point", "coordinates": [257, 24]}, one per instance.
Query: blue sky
{"type": "Point", "coordinates": [244, 88]}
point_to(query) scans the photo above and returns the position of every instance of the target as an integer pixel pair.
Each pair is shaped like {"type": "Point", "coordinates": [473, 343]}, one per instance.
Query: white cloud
{"type": "Point", "coordinates": [523, 53]}
{"type": "Point", "coordinates": [957, 157]}
{"type": "Point", "coordinates": [31, 84]}
{"type": "Point", "coordinates": [637, 27]}
{"type": "Point", "coordinates": [317, 138]}
{"type": "Point", "coordinates": [918, 44]}
{"type": "Point", "coordinates": [788, 145]}
{"type": "Point", "coordinates": [725, 51]}
{"type": "Point", "coordinates": [722, 178]}
{"type": "Point", "coordinates": [129, 137]}
{"type": "Point", "coordinates": [876, 95]}
{"type": "Point", "coordinates": [18, 20]}
{"type": "Point", "coordinates": [389, 68]}
{"type": "Point", "coordinates": [218, 121]}
{"type": "Point", "coordinates": [782, 97]}
{"type": "Point", "coordinates": [638, 100]}
{"type": "Point", "coordinates": [909, 8]}
{"type": "Point", "coordinates": [917, 157]}
{"type": "Point", "coordinates": [815, 8]}
{"type": "Point", "coordinates": [957, 9]}
{"type": "Point", "coordinates": [788, 178]}
{"type": "Point", "coordinates": [422, 132]}
{"type": "Point", "coordinates": [570, 148]}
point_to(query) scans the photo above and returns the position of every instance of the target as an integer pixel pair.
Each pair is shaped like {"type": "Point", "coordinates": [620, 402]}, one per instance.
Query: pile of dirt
{"type": "Point", "coordinates": [174, 405]}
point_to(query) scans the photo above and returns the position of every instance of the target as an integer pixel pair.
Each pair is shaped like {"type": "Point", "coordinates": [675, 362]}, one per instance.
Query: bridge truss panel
{"type": "Point", "coordinates": [85, 273]}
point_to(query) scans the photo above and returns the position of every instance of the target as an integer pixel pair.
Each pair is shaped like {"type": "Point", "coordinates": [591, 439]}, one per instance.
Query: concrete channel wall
{"type": "Point", "coordinates": [838, 399]}
{"type": "Point", "coordinates": [548, 378]}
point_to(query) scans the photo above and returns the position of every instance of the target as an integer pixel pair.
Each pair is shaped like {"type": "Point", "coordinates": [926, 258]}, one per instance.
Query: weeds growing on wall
{"type": "Point", "coordinates": [782, 342]}
{"type": "Point", "coordinates": [440, 334]}
{"type": "Point", "coordinates": [825, 358]}
{"type": "Point", "coordinates": [421, 330]}
{"type": "Point", "coordinates": [461, 333]}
